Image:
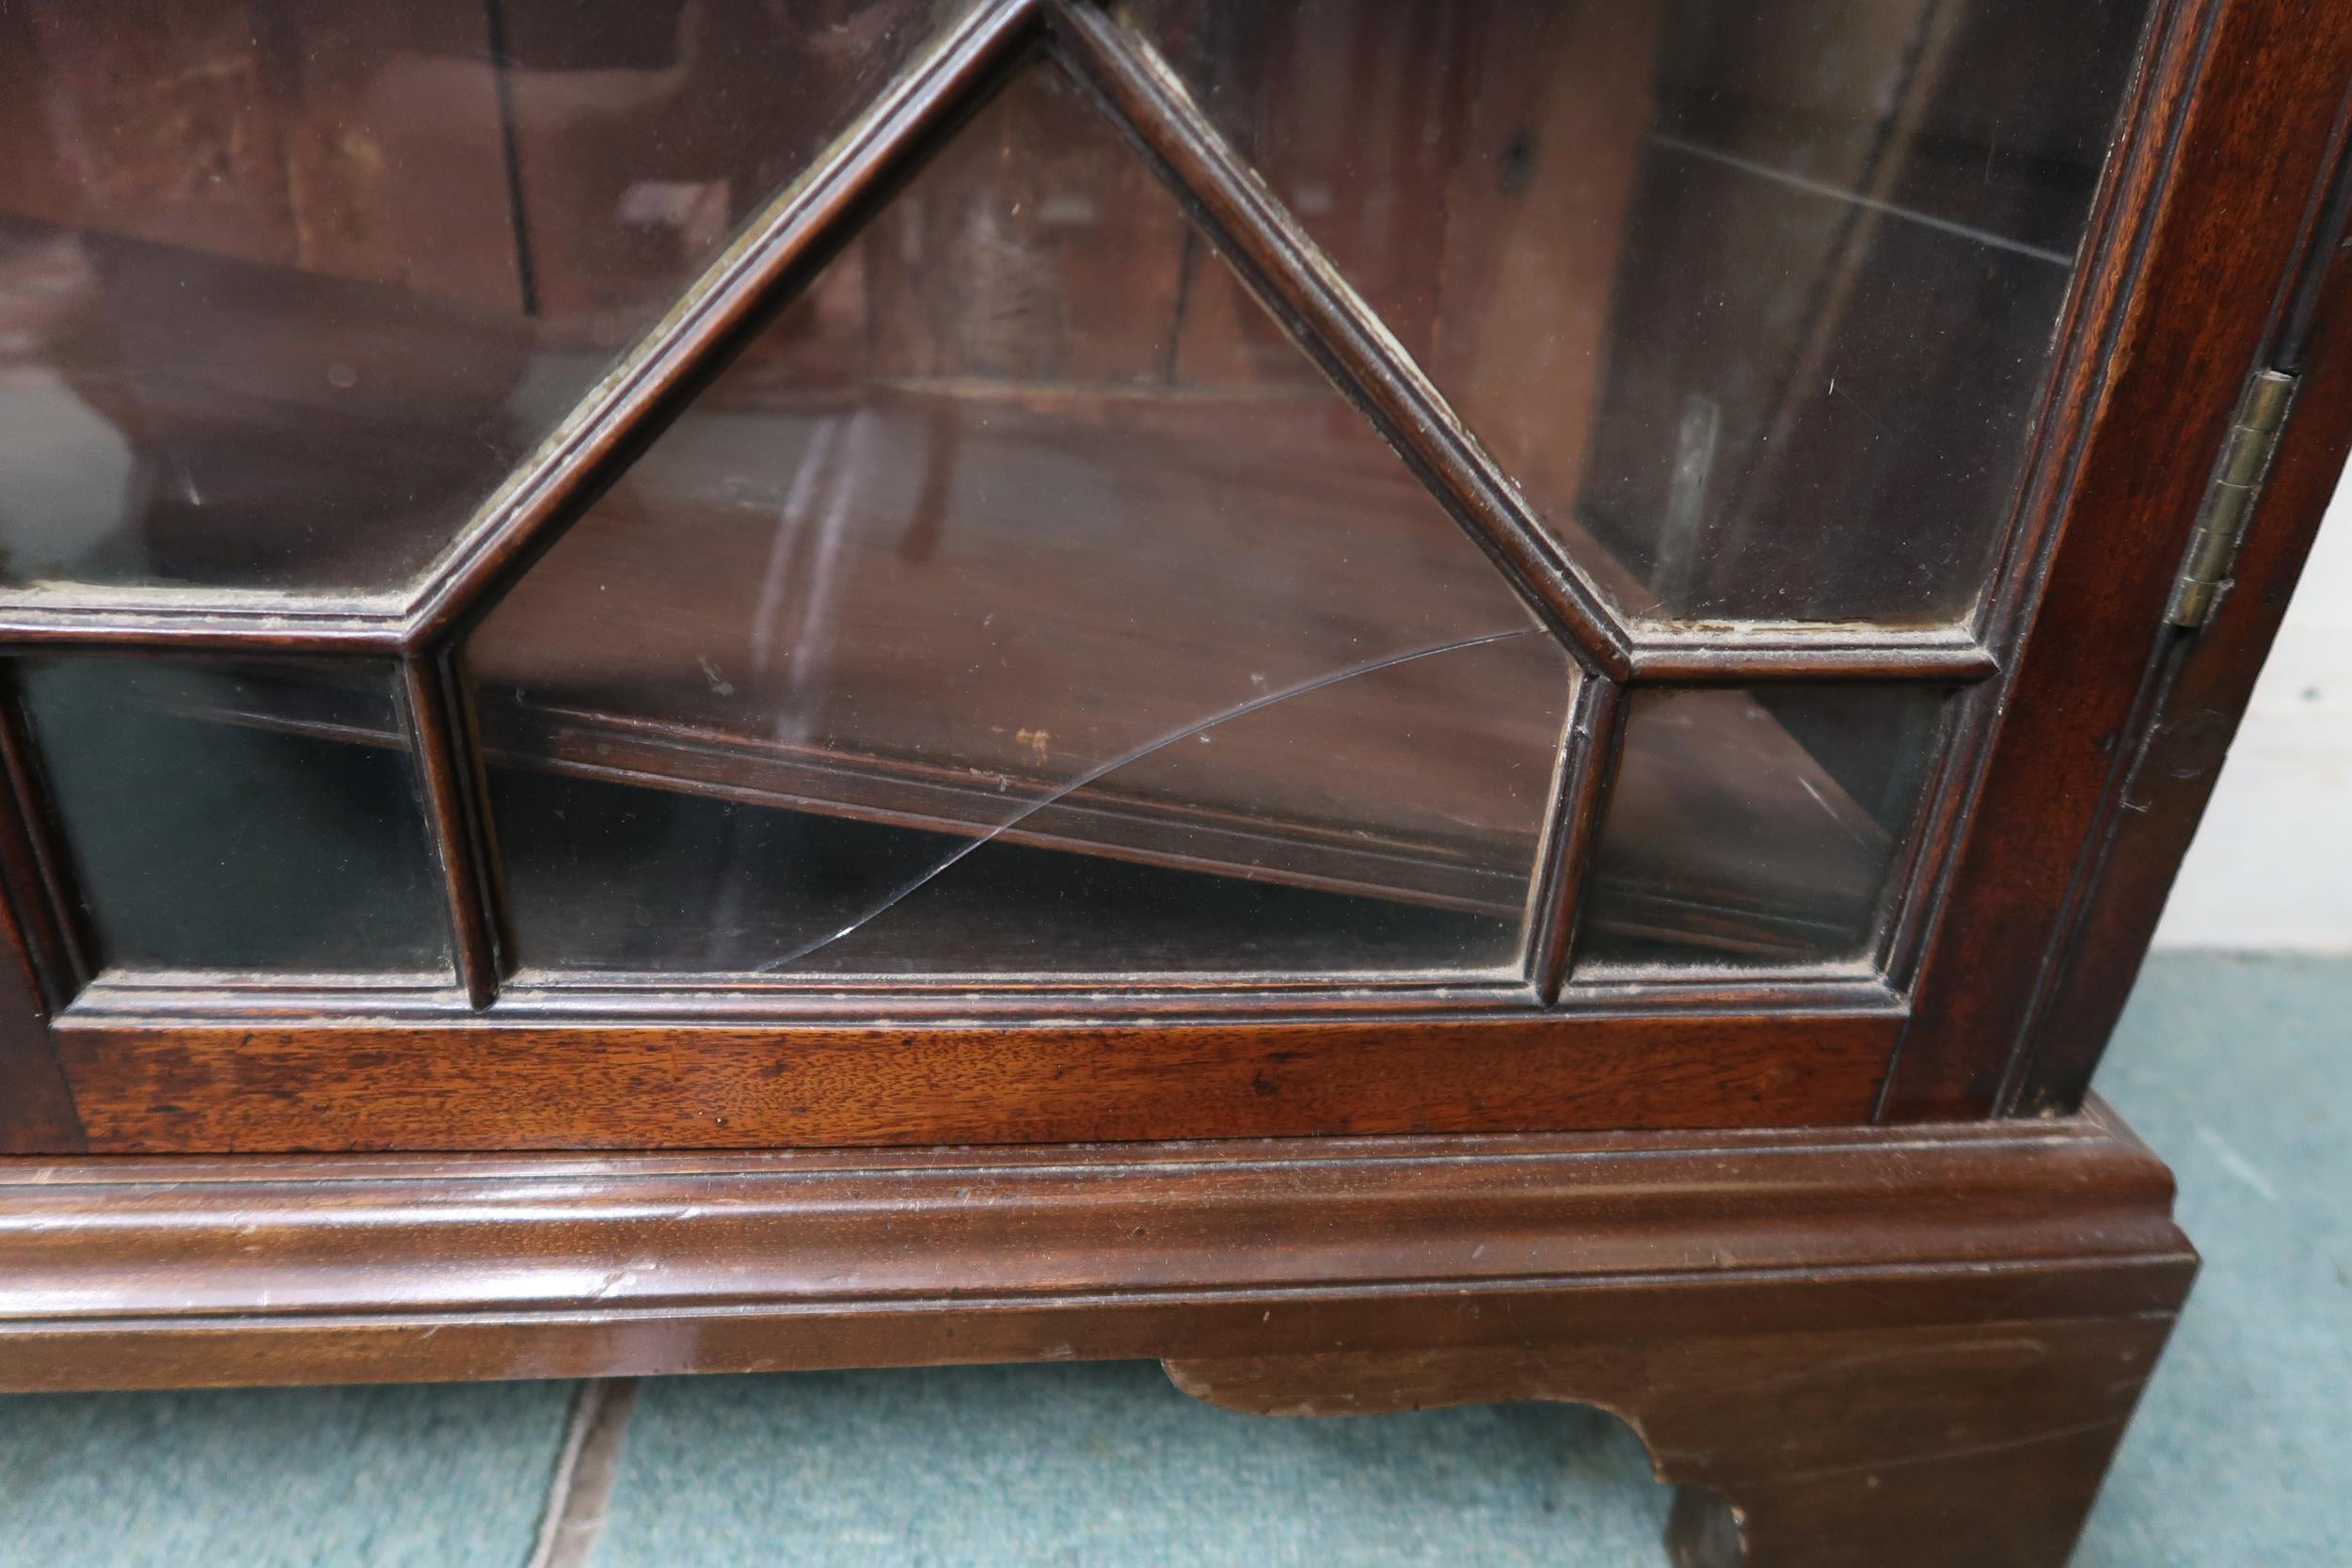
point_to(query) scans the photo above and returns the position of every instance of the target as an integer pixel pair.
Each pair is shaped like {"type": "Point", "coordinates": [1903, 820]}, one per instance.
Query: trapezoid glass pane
{"type": "Point", "coordinates": [1753, 301]}
{"type": "Point", "coordinates": [1759, 827]}
{"type": "Point", "coordinates": [238, 817]}
{"type": "Point", "coordinates": [288, 287]}
{"type": "Point", "coordinates": [954, 631]}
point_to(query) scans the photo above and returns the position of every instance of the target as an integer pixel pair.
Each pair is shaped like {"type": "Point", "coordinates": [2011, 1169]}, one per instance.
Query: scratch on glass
{"type": "Point", "coordinates": [947, 862]}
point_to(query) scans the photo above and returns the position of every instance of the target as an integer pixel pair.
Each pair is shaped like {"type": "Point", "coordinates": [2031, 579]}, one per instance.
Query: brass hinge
{"type": "Point", "coordinates": [2230, 497]}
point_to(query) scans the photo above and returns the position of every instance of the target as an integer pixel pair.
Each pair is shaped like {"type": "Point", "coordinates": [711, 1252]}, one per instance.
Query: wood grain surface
{"type": "Point", "coordinates": [258, 1085]}
{"type": "Point", "coordinates": [1839, 1341]}
{"type": "Point", "coordinates": [2254, 92]}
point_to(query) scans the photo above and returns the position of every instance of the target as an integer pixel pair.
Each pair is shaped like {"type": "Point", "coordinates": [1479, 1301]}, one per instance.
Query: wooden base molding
{"type": "Point", "coordinates": [1933, 1444]}
{"type": "Point", "coordinates": [1910, 1344]}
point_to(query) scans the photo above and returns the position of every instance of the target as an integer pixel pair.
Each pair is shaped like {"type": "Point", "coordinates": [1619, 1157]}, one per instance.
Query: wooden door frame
{"type": "Point", "coordinates": [2034, 874]}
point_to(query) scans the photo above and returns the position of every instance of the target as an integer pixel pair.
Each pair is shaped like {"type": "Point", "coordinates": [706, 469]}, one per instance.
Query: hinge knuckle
{"type": "Point", "coordinates": [2237, 481]}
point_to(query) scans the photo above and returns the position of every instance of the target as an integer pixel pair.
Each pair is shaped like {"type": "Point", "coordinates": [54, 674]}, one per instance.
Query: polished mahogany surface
{"type": "Point", "coordinates": [1077, 516]}
{"type": "Point", "coordinates": [1835, 1350]}
{"type": "Point", "coordinates": [1404, 703]}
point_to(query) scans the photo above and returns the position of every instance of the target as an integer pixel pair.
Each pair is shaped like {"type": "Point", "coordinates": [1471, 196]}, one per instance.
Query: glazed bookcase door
{"type": "Point", "coordinates": [1093, 571]}
{"type": "Point", "coordinates": [970, 639]}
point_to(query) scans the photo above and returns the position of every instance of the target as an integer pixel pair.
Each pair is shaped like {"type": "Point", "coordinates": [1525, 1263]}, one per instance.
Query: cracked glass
{"type": "Point", "coordinates": [962, 627]}
{"type": "Point", "coordinates": [1754, 299]}
{"type": "Point", "coordinates": [288, 287]}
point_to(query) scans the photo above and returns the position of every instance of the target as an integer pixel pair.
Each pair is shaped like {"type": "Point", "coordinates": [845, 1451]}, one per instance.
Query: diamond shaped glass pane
{"type": "Point", "coordinates": [959, 628]}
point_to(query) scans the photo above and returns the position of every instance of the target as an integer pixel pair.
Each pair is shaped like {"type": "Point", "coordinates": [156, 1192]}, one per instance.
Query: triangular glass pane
{"type": "Point", "coordinates": [954, 631]}
{"type": "Point", "coordinates": [1754, 302]}
{"type": "Point", "coordinates": [285, 294]}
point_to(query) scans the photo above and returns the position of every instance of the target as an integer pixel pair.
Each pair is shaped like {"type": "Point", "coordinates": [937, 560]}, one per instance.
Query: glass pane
{"type": "Point", "coordinates": [238, 817]}
{"type": "Point", "coordinates": [1752, 299]}
{"type": "Point", "coordinates": [288, 286]}
{"type": "Point", "coordinates": [1759, 827]}
{"type": "Point", "coordinates": [955, 630]}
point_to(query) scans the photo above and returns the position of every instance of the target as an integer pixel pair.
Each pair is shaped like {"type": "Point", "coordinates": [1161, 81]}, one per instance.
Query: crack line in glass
{"type": "Point", "coordinates": [1062, 792]}
{"type": "Point", "coordinates": [1860, 198]}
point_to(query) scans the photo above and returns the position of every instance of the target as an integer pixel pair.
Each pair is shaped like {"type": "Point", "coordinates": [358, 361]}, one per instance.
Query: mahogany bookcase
{"type": "Point", "coordinates": [1405, 703]}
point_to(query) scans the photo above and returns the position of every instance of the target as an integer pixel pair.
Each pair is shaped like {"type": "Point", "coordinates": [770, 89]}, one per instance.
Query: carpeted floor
{"type": "Point", "coordinates": [2239, 1070]}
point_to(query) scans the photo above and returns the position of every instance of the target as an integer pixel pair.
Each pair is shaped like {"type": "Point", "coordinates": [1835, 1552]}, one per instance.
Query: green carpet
{"type": "Point", "coordinates": [1106, 1464]}
{"type": "Point", "coordinates": [276, 1478]}
{"type": "Point", "coordinates": [2238, 1071]}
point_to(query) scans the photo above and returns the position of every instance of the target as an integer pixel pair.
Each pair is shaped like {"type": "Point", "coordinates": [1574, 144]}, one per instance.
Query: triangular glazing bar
{"type": "Point", "coordinates": [1333, 324]}
{"type": "Point", "coordinates": [776, 252]}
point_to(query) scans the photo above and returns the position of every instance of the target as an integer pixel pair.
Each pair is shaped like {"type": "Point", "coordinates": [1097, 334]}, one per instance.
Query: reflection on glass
{"type": "Point", "coordinates": [287, 290]}
{"type": "Point", "coordinates": [1752, 300]}
{"type": "Point", "coordinates": [237, 818]}
{"type": "Point", "coordinates": [1759, 827]}
{"type": "Point", "coordinates": [958, 628]}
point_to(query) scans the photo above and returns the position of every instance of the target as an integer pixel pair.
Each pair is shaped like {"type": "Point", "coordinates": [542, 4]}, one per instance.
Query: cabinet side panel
{"type": "Point", "coordinates": [2166, 790]}
{"type": "Point", "coordinates": [2258, 96]}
